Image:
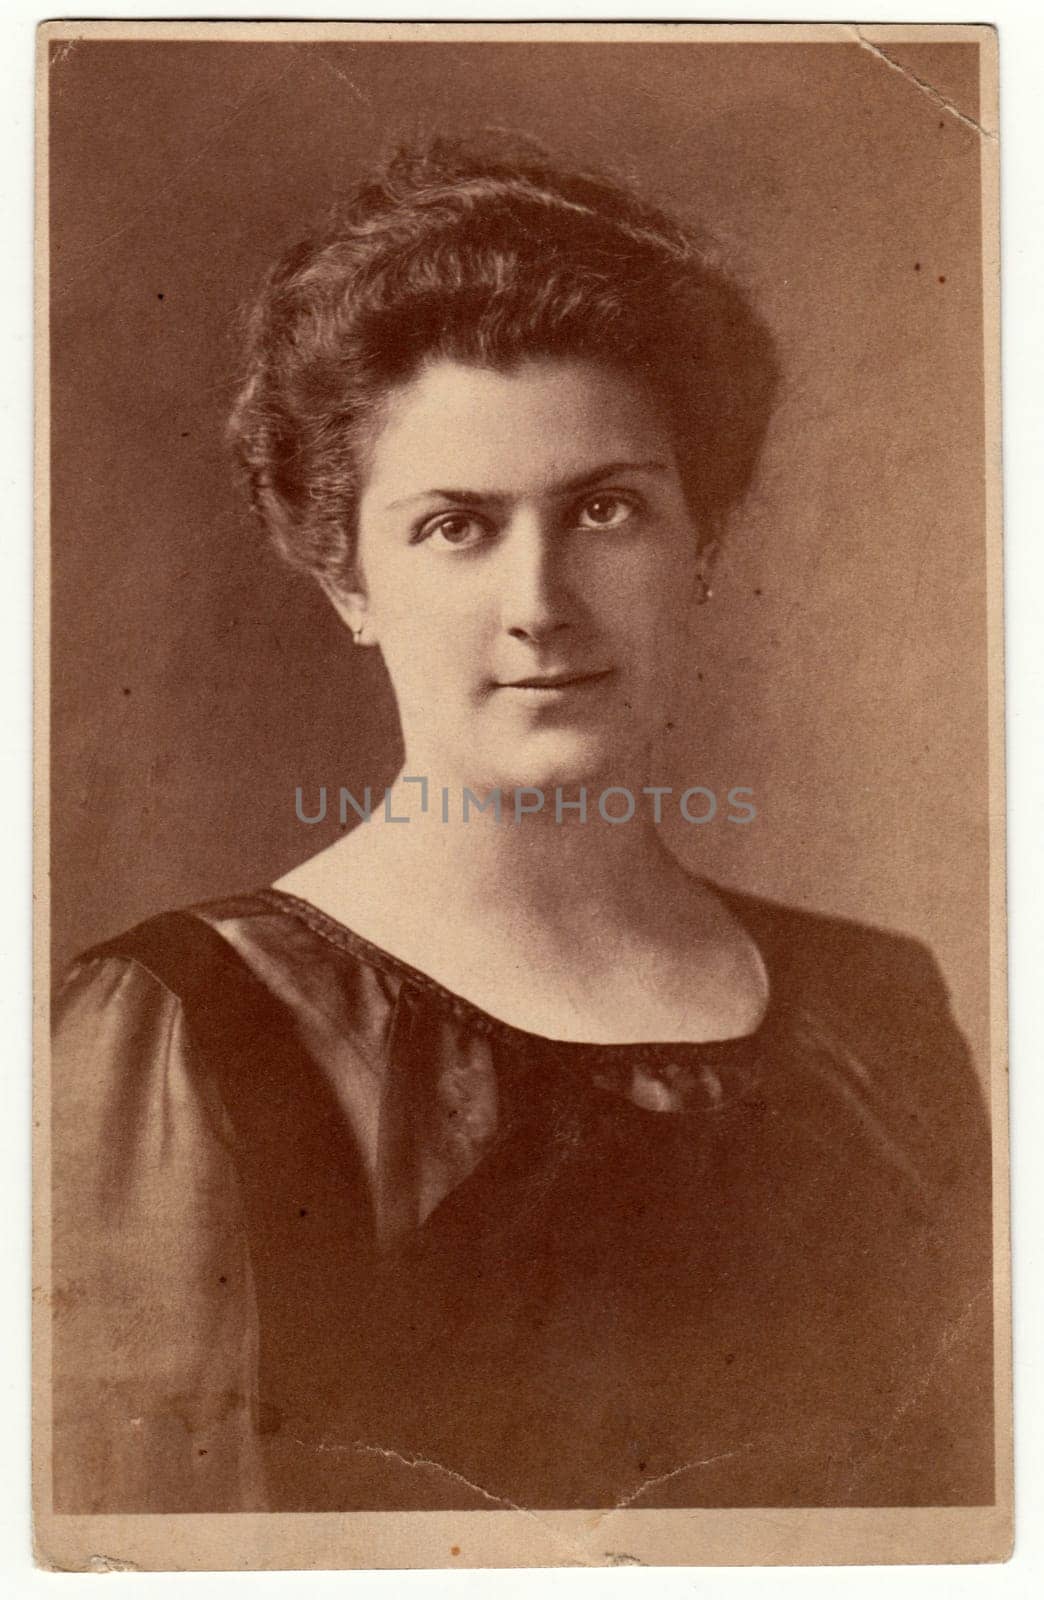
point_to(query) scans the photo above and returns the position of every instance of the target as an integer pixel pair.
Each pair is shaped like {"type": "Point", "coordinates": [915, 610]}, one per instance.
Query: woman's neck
{"type": "Point", "coordinates": [573, 928]}
{"type": "Point", "coordinates": [524, 858]}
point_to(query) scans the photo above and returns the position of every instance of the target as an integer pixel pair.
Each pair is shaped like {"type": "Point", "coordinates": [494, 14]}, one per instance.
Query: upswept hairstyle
{"type": "Point", "coordinates": [486, 253]}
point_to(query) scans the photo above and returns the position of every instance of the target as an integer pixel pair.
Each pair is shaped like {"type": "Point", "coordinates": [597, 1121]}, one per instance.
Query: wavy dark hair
{"type": "Point", "coordinates": [487, 252]}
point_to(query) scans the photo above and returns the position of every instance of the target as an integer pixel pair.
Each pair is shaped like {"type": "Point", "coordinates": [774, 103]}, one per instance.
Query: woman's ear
{"type": "Point", "coordinates": [350, 605]}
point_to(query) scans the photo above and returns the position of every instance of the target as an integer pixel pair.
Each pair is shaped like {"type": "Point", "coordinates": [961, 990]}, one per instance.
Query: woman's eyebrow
{"type": "Point", "coordinates": [471, 497]}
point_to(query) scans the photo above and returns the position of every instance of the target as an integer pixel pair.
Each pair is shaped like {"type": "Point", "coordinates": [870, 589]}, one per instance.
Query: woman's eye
{"type": "Point", "coordinates": [605, 511]}
{"type": "Point", "coordinates": [455, 532]}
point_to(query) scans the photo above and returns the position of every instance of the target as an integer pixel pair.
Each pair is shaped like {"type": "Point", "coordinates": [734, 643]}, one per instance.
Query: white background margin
{"type": "Point", "coordinates": [1022, 213]}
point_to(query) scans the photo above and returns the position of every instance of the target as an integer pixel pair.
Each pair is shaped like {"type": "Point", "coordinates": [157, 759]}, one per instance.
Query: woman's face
{"type": "Point", "coordinates": [527, 565]}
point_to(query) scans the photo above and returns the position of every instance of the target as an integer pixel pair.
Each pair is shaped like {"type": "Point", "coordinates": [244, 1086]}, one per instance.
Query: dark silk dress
{"type": "Point", "coordinates": [327, 1237]}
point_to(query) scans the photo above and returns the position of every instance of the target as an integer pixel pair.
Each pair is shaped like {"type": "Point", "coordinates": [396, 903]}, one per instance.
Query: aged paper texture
{"type": "Point", "coordinates": [528, 1079]}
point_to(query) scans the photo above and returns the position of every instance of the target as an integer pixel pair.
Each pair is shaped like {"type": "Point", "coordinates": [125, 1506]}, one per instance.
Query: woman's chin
{"type": "Point", "coordinates": [560, 762]}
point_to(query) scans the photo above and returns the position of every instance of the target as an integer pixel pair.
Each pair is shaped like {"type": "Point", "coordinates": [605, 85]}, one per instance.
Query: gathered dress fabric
{"type": "Point", "coordinates": [329, 1237]}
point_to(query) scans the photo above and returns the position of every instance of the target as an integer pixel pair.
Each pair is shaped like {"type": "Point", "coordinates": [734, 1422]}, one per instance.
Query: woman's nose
{"type": "Point", "coordinates": [535, 599]}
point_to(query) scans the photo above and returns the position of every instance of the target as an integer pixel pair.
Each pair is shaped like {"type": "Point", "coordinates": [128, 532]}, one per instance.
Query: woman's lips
{"type": "Point", "coordinates": [553, 683]}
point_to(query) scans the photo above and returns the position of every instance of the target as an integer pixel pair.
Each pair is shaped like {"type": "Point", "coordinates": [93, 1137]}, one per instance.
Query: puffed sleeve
{"type": "Point", "coordinates": [154, 1328]}
{"type": "Point", "coordinates": [951, 1402]}
{"type": "Point", "coordinates": [924, 1097]}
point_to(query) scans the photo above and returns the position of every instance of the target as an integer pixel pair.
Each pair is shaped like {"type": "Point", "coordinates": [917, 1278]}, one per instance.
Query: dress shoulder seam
{"type": "Point", "coordinates": [99, 957]}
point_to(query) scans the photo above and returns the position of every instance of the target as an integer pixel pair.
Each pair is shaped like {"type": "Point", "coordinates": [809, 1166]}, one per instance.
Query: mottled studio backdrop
{"type": "Point", "coordinates": [840, 672]}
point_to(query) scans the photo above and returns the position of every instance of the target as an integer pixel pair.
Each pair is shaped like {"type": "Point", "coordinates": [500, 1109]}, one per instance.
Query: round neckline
{"type": "Point", "coordinates": [344, 937]}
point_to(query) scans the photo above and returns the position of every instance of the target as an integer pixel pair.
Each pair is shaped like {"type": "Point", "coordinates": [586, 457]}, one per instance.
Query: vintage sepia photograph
{"type": "Point", "coordinates": [521, 918]}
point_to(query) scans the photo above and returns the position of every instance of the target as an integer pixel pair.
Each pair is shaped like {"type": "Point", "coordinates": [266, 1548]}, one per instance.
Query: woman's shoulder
{"type": "Point", "coordinates": [142, 979]}
{"type": "Point", "coordinates": [826, 960]}
{"type": "Point", "coordinates": [142, 934]}
{"type": "Point", "coordinates": [147, 968]}
{"type": "Point", "coordinates": [225, 976]}
{"type": "Point", "coordinates": [184, 945]}
{"type": "Point", "coordinates": [869, 1016]}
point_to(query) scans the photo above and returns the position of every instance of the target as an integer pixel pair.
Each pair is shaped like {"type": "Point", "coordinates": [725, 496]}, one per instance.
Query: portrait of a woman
{"type": "Point", "coordinates": [491, 1156]}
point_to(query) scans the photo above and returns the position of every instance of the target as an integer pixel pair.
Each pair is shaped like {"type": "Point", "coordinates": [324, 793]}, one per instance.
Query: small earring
{"type": "Point", "coordinates": [705, 591]}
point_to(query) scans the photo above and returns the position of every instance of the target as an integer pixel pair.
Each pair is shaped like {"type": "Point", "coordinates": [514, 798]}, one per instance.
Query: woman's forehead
{"type": "Point", "coordinates": [542, 425]}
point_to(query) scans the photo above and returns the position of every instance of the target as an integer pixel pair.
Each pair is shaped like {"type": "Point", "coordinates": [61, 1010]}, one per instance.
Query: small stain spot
{"type": "Point", "coordinates": [759, 593]}
{"type": "Point", "coordinates": [454, 1549]}
{"type": "Point", "coordinates": [185, 434]}
{"type": "Point", "coordinates": [126, 691]}
{"type": "Point", "coordinates": [729, 1359]}
{"type": "Point", "coordinates": [641, 1466]}
{"type": "Point", "coordinates": [917, 266]}
{"type": "Point", "coordinates": [303, 1211]}
{"type": "Point", "coordinates": [942, 279]}
{"type": "Point", "coordinates": [159, 297]}
{"type": "Point", "coordinates": [942, 124]}
{"type": "Point", "coordinates": [201, 1452]}
{"type": "Point", "coordinates": [699, 677]}
{"type": "Point", "coordinates": [222, 1279]}
{"type": "Point", "coordinates": [670, 727]}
